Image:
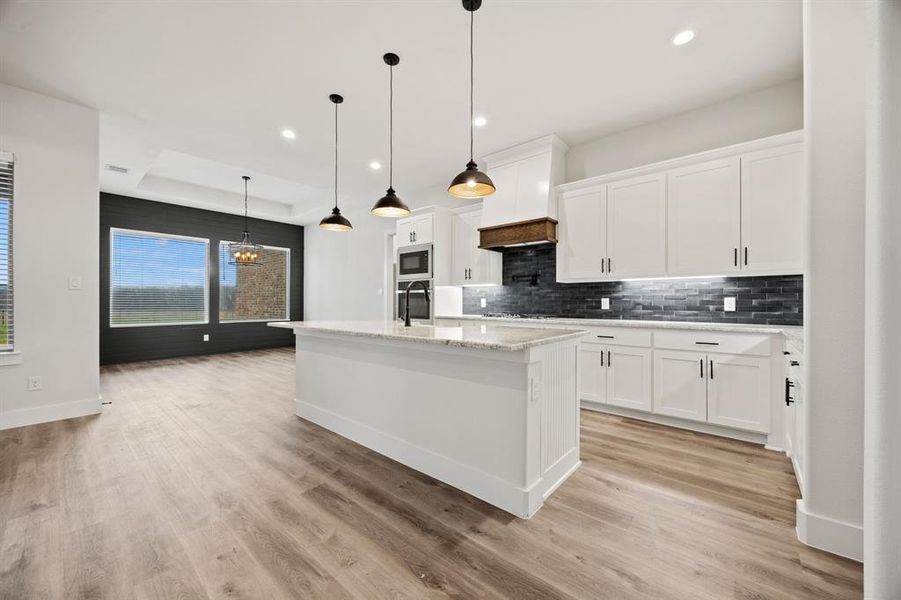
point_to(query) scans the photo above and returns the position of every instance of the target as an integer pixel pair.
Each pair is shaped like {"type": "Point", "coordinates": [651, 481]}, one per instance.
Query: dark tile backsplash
{"type": "Point", "coordinates": [775, 300]}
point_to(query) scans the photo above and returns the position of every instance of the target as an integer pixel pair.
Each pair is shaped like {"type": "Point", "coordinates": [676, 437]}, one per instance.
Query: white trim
{"type": "Point", "coordinates": [7, 157]}
{"type": "Point", "coordinates": [206, 277]}
{"type": "Point", "coordinates": [10, 357]}
{"type": "Point", "coordinates": [524, 150]}
{"type": "Point", "coordinates": [46, 414]}
{"type": "Point", "coordinates": [831, 535]}
{"type": "Point", "coordinates": [681, 161]}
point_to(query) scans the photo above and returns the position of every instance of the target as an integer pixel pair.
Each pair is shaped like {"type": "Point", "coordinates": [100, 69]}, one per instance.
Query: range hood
{"type": "Point", "coordinates": [523, 211]}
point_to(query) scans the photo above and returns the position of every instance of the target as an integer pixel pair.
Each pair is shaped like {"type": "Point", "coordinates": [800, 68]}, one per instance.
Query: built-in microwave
{"type": "Point", "coordinates": [414, 262]}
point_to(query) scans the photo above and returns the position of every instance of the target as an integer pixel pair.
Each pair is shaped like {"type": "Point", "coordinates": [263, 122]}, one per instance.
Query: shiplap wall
{"type": "Point", "coordinates": [128, 344]}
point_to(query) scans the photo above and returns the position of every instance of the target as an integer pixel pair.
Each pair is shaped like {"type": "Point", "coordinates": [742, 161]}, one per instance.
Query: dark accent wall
{"type": "Point", "coordinates": [775, 300]}
{"type": "Point", "coordinates": [127, 344]}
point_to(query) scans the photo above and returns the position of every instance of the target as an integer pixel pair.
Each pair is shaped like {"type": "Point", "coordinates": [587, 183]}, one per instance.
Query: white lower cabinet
{"type": "Point", "coordinates": [738, 391]}
{"type": "Point", "coordinates": [615, 375]}
{"type": "Point", "coordinates": [680, 384]}
{"type": "Point", "coordinates": [723, 389]}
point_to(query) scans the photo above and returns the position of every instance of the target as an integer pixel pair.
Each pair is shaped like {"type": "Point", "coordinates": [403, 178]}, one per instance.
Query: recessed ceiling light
{"type": "Point", "coordinates": [683, 37]}
{"type": "Point", "coordinates": [375, 165]}
{"type": "Point", "coordinates": [480, 121]}
{"type": "Point", "coordinates": [288, 134]}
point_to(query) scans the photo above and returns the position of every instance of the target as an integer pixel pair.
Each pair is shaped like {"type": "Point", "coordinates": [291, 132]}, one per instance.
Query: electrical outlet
{"type": "Point", "coordinates": [34, 383]}
{"type": "Point", "coordinates": [206, 337]}
{"type": "Point", "coordinates": [483, 302]}
{"type": "Point", "coordinates": [75, 282]}
{"type": "Point", "coordinates": [729, 304]}
{"type": "Point", "coordinates": [605, 303]}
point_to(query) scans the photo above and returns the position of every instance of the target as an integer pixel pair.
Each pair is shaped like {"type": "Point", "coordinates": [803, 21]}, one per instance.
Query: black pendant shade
{"type": "Point", "coordinates": [390, 205]}
{"type": "Point", "coordinates": [471, 183]}
{"type": "Point", "coordinates": [336, 221]}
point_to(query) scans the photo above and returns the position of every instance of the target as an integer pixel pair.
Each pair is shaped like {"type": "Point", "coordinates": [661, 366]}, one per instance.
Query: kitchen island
{"type": "Point", "coordinates": [489, 409]}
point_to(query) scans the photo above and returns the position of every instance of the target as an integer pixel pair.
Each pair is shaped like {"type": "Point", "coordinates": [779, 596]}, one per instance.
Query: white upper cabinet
{"type": "Point", "coordinates": [417, 229]}
{"type": "Point", "coordinates": [636, 227]}
{"type": "Point", "coordinates": [771, 219]}
{"type": "Point", "coordinates": [472, 265]}
{"type": "Point", "coordinates": [704, 218]}
{"type": "Point", "coordinates": [533, 187]}
{"type": "Point", "coordinates": [582, 231]}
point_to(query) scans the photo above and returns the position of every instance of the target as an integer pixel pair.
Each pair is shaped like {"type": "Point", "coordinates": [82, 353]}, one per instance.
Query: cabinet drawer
{"type": "Point", "coordinates": [703, 341]}
{"type": "Point", "coordinates": [619, 336]}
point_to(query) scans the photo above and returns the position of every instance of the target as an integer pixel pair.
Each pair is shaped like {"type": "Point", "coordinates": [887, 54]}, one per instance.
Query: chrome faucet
{"type": "Point", "coordinates": [425, 288]}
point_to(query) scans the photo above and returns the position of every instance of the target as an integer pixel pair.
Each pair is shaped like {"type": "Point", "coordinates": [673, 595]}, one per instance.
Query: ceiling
{"type": "Point", "coordinates": [194, 94]}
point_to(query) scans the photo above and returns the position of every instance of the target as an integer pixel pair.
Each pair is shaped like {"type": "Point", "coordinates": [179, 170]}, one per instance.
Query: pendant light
{"type": "Point", "coordinates": [245, 252]}
{"type": "Point", "coordinates": [471, 183]}
{"type": "Point", "coordinates": [336, 221]}
{"type": "Point", "coordinates": [390, 205]}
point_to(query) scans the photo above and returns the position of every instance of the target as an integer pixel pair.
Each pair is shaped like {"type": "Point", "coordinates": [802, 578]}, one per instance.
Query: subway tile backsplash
{"type": "Point", "coordinates": [775, 300]}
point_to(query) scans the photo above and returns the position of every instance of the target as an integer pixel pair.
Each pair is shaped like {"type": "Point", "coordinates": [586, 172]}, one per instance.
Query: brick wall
{"type": "Point", "coordinates": [261, 292]}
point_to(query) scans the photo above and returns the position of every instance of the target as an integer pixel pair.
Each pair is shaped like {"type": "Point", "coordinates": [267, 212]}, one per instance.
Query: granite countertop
{"type": "Point", "coordinates": [793, 333]}
{"type": "Point", "coordinates": [479, 336]}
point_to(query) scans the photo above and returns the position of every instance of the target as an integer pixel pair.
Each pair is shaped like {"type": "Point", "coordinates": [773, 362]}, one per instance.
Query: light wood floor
{"type": "Point", "coordinates": [199, 482]}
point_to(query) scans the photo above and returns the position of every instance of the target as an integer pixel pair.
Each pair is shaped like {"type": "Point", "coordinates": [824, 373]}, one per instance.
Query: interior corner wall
{"type": "Point", "coordinates": [771, 111]}
{"type": "Point", "coordinates": [55, 233]}
{"type": "Point", "coordinates": [830, 516]}
{"type": "Point", "coordinates": [882, 446]}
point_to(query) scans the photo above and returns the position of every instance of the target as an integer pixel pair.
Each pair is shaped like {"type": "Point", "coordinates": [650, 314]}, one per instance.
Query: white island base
{"type": "Point", "coordinates": [490, 410]}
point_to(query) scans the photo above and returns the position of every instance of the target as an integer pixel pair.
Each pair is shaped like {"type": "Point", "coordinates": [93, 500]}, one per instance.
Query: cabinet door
{"type": "Point", "coordinates": [636, 227]}
{"type": "Point", "coordinates": [464, 224]}
{"type": "Point", "coordinates": [582, 232]}
{"type": "Point", "coordinates": [629, 377]}
{"type": "Point", "coordinates": [500, 207]}
{"type": "Point", "coordinates": [738, 391]}
{"type": "Point", "coordinates": [771, 211]}
{"type": "Point", "coordinates": [704, 218]}
{"type": "Point", "coordinates": [422, 229]}
{"type": "Point", "coordinates": [680, 384]}
{"type": "Point", "coordinates": [404, 235]}
{"type": "Point", "coordinates": [592, 374]}
{"type": "Point", "coordinates": [533, 187]}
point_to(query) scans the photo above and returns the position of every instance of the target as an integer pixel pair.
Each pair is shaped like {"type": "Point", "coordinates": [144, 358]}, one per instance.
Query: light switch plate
{"type": "Point", "coordinates": [75, 282]}
{"type": "Point", "coordinates": [605, 303]}
{"type": "Point", "coordinates": [729, 304]}
{"type": "Point", "coordinates": [483, 302]}
{"type": "Point", "coordinates": [206, 337]}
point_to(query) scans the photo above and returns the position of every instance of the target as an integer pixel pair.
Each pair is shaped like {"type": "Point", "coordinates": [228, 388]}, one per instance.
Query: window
{"type": "Point", "coordinates": [254, 293]}
{"type": "Point", "coordinates": [6, 252]}
{"type": "Point", "coordinates": [157, 279]}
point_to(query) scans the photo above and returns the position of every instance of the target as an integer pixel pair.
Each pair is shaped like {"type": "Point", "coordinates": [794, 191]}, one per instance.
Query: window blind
{"type": "Point", "coordinates": [6, 252]}
{"type": "Point", "coordinates": [157, 279]}
{"type": "Point", "coordinates": [258, 292]}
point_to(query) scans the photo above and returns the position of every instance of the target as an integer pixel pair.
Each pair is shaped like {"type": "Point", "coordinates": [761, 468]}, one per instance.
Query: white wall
{"type": "Point", "coordinates": [56, 233]}
{"type": "Point", "coordinates": [774, 110]}
{"type": "Point", "coordinates": [344, 272]}
{"type": "Point", "coordinates": [831, 515]}
{"type": "Point", "coordinates": [882, 448]}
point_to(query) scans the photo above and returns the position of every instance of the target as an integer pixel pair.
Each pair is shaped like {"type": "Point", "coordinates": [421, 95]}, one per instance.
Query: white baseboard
{"type": "Point", "coordinates": [837, 537]}
{"type": "Point", "coordinates": [51, 412]}
{"type": "Point", "coordinates": [736, 434]}
{"type": "Point", "coordinates": [504, 494]}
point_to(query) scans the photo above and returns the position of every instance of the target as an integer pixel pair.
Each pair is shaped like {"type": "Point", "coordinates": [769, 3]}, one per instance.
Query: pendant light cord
{"type": "Point", "coordinates": [391, 127]}
{"type": "Point", "coordinates": [336, 156]}
{"type": "Point", "coordinates": [471, 82]}
{"type": "Point", "coordinates": [246, 179]}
